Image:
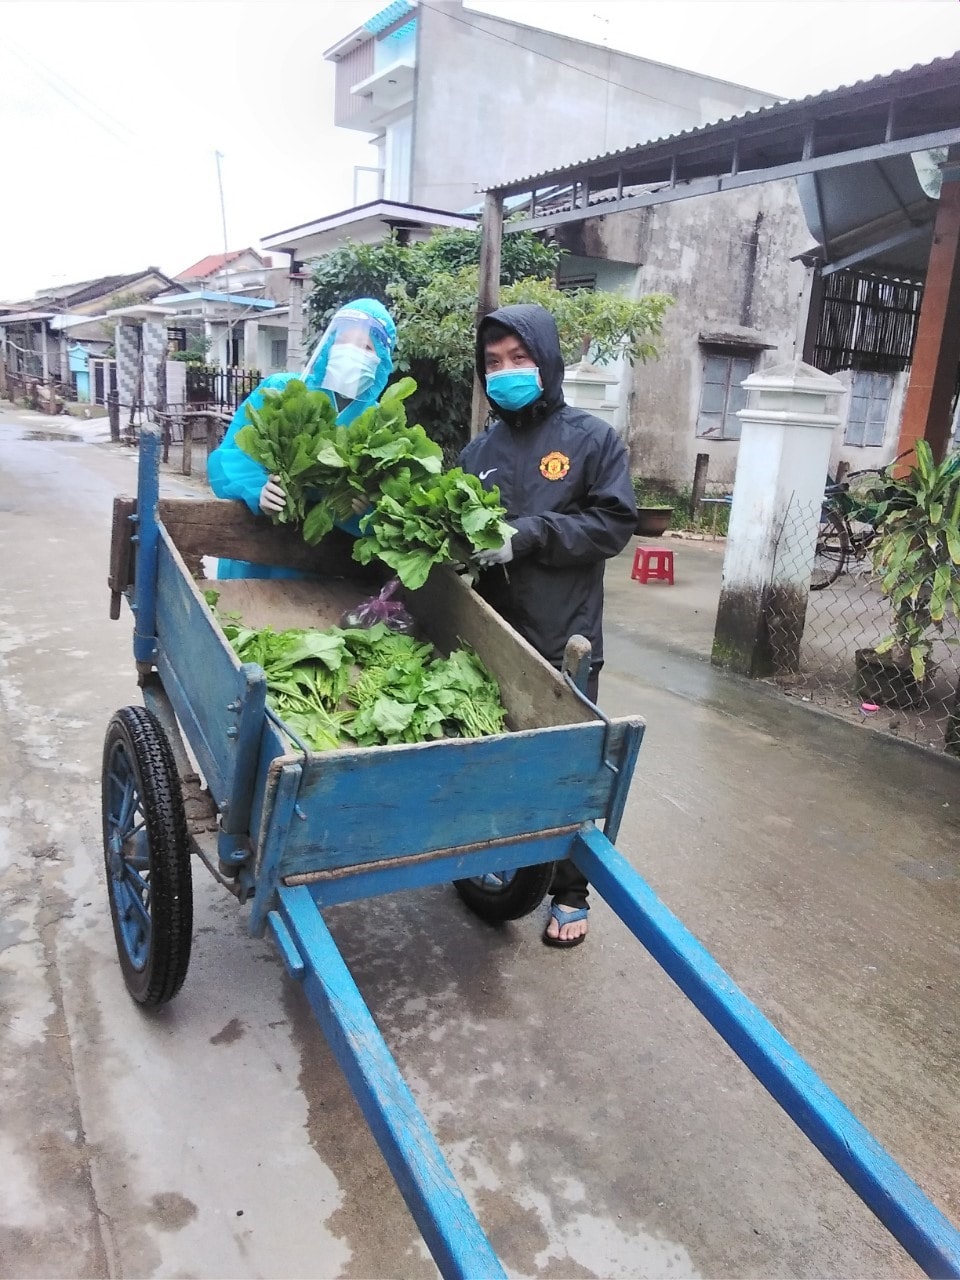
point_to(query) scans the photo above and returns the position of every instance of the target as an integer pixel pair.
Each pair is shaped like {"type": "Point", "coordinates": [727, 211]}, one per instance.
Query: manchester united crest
{"type": "Point", "coordinates": [554, 466]}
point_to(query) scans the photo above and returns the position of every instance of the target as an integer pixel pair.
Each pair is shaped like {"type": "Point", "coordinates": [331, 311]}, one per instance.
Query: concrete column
{"type": "Point", "coordinates": [251, 344]}
{"type": "Point", "coordinates": [777, 496]}
{"type": "Point", "coordinates": [44, 354]}
{"type": "Point", "coordinates": [154, 351]}
{"type": "Point", "coordinates": [127, 347]}
{"type": "Point", "coordinates": [296, 354]}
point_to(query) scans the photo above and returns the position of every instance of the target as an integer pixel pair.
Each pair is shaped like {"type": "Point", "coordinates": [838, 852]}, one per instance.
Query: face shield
{"type": "Point", "coordinates": [352, 357]}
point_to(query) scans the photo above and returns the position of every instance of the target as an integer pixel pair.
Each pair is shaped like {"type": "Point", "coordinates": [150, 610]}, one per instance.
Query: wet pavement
{"type": "Point", "coordinates": [597, 1124]}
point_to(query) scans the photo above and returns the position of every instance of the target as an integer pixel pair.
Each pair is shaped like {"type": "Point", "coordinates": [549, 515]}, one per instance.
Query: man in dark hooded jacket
{"type": "Point", "coordinates": [564, 479]}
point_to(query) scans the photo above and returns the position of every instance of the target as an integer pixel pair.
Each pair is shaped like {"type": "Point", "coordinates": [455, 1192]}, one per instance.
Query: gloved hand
{"type": "Point", "coordinates": [272, 497]}
{"type": "Point", "coordinates": [502, 555]}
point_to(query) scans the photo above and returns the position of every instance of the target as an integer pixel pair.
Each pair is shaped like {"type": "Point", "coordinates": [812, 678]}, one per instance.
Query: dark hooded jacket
{"type": "Point", "coordinates": [564, 479]}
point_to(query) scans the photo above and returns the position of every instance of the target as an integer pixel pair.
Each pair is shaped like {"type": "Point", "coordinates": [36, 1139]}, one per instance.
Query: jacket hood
{"type": "Point", "coordinates": [537, 330]}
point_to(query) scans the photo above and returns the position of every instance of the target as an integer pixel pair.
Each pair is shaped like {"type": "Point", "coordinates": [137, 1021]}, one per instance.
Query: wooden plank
{"type": "Point", "coordinates": [928, 1236]}
{"type": "Point", "coordinates": [419, 871]}
{"type": "Point", "coordinates": [372, 803]}
{"type": "Point", "coordinates": [120, 578]}
{"type": "Point", "coordinates": [290, 603]}
{"type": "Point", "coordinates": [533, 692]}
{"type": "Point", "coordinates": [446, 1222]}
{"type": "Point", "coordinates": [216, 527]}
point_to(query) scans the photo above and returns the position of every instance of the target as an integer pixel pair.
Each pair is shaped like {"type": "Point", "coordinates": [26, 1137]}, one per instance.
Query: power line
{"type": "Point", "coordinates": [73, 96]}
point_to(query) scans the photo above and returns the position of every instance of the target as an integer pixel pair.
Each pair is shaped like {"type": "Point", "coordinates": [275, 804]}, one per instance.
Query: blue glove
{"type": "Point", "coordinates": [502, 555]}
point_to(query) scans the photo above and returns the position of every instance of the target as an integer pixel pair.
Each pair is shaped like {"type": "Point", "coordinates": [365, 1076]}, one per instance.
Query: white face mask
{"type": "Point", "coordinates": [350, 371]}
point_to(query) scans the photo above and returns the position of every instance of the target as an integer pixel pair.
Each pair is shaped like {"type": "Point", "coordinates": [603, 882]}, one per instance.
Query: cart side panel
{"type": "Point", "coordinates": [387, 802]}
{"type": "Point", "coordinates": [219, 703]}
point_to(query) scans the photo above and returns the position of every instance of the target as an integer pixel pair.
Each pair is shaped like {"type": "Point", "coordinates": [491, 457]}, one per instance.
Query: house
{"type": "Point", "coordinates": [816, 227]}
{"type": "Point", "coordinates": [491, 98]}
{"type": "Point", "coordinates": [467, 81]}
{"type": "Point", "coordinates": [35, 336]}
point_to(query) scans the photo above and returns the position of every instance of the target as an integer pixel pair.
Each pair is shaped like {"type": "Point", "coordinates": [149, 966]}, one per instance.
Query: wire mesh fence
{"type": "Point", "coordinates": [823, 642]}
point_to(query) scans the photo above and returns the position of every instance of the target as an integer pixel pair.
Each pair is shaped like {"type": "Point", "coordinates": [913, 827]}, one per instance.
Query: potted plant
{"type": "Point", "coordinates": [653, 517]}
{"type": "Point", "coordinates": [915, 558]}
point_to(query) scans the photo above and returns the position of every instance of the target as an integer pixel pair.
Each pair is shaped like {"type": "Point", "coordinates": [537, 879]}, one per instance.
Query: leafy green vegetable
{"type": "Point", "coordinates": [372, 686]}
{"type": "Point", "coordinates": [285, 435]}
{"type": "Point", "coordinates": [415, 526]}
{"type": "Point", "coordinates": [357, 460]}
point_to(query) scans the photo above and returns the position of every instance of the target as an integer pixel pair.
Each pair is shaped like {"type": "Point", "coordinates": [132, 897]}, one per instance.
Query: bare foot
{"type": "Point", "coordinates": [566, 932]}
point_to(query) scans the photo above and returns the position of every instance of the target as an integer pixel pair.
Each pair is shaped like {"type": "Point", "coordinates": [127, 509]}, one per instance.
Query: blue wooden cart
{"type": "Point", "coordinates": [204, 768]}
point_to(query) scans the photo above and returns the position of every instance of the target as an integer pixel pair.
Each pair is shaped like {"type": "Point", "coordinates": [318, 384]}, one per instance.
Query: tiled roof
{"type": "Point", "coordinates": [214, 262]}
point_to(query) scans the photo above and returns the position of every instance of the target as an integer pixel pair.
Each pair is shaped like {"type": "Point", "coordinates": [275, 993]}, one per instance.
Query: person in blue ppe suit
{"type": "Point", "coordinates": [351, 362]}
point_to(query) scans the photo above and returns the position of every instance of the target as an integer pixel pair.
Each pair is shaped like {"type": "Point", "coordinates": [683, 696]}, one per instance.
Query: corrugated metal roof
{"type": "Point", "coordinates": [790, 109]}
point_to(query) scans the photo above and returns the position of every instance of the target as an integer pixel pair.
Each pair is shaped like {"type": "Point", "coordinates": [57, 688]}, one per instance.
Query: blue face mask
{"type": "Point", "coordinates": [514, 389]}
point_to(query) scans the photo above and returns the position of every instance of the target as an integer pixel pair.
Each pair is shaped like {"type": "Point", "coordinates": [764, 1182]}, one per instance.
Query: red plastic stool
{"type": "Point", "coordinates": [653, 564]}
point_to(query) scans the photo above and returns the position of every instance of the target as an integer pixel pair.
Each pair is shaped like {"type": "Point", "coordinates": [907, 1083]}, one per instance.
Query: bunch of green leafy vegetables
{"type": "Point", "coordinates": [369, 686]}
{"type": "Point", "coordinates": [415, 526]}
{"type": "Point", "coordinates": [420, 515]}
{"type": "Point", "coordinates": [356, 460]}
{"type": "Point", "coordinates": [285, 435]}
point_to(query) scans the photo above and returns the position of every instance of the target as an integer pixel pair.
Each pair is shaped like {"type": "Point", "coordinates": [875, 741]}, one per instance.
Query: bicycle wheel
{"type": "Point", "coordinates": [831, 550]}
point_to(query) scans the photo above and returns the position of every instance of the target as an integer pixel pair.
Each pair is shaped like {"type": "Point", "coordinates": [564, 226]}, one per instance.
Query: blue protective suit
{"type": "Point", "coordinates": [234, 474]}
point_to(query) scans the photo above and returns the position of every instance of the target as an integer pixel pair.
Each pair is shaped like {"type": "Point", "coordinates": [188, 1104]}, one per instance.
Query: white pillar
{"type": "Point", "coordinates": [295, 352]}
{"type": "Point", "coordinates": [251, 344]}
{"type": "Point", "coordinates": [782, 467]}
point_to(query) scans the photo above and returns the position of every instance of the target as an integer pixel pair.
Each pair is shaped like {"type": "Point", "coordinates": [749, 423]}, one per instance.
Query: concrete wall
{"type": "Point", "coordinates": [726, 260]}
{"type": "Point", "coordinates": [496, 100]}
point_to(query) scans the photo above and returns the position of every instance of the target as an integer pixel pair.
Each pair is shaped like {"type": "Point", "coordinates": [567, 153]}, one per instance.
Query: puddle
{"type": "Point", "coordinates": [68, 436]}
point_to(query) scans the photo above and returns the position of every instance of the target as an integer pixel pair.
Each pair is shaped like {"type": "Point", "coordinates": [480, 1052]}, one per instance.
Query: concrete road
{"type": "Point", "coordinates": [598, 1125]}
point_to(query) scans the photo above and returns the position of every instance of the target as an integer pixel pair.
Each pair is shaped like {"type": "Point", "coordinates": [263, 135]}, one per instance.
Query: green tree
{"type": "Point", "coordinates": [431, 288]}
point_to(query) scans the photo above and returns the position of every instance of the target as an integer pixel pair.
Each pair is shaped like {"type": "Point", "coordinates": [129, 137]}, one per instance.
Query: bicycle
{"type": "Point", "coordinates": [837, 539]}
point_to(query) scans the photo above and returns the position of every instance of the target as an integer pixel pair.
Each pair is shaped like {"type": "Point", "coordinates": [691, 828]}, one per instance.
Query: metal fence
{"type": "Point", "coordinates": [225, 388]}
{"type": "Point", "coordinates": [827, 657]}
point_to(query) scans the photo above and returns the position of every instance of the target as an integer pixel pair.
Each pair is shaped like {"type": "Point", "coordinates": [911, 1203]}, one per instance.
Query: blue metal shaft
{"type": "Point", "coordinates": [446, 1222]}
{"type": "Point", "coordinates": [928, 1236]}
{"type": "Point", "coordinates": [145, 580]}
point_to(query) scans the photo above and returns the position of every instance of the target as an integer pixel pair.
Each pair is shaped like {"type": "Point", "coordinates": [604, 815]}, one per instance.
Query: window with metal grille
{"type": "Point", "coordinates": [867, 414]}
{"type": "Point", "coordinates": [867, 322]}
{"type": "Point", "coordinates": [278, 352]}
{"type": "Point", "coordinates": [721, 394]}
{"type": "Point", "coordinates": [570, 283]}
{"type": "Point", "coordinates": [176, 340]}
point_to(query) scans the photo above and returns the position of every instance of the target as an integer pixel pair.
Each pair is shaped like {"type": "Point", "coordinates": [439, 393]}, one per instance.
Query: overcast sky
{"type": "Point", "coordinates": [112, 110]}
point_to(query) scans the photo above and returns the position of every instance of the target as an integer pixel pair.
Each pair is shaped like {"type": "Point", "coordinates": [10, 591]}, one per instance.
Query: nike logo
{"type": "Point", "coordinates": [483, 474]}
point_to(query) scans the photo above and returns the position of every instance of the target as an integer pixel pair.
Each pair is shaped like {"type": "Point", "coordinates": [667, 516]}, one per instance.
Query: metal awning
{"type": "Point", "coordinates": [850, 148]}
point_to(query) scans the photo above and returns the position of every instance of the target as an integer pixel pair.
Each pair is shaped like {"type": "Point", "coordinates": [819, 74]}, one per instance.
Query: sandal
{"type": "Point", "coordinates": [563, 917]}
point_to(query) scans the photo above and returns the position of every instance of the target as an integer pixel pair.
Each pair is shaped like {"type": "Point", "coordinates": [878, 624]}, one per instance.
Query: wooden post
{"type": "Point", "coordinates": [187, 463]}
{"type": "Point", "coordinates": [699, 483]}
{"type": "Point", "coordinates": [489, 292]}
{"type": "Point", "coordinates": [933, 372]}
{"type": "Point", "coordinates": [113, 411]}
{"type": "Point", "coordinates": [808, 315]}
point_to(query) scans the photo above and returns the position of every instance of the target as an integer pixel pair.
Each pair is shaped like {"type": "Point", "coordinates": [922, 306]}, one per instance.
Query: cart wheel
{"type": "Point", "coordinates": [506, 895]}
{"type": "Point", "coordinates": [147, 856]}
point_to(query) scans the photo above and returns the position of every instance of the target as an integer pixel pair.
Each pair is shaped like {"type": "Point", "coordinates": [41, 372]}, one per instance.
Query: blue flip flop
{"type": "Point", "coordinates": [565, 917]}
